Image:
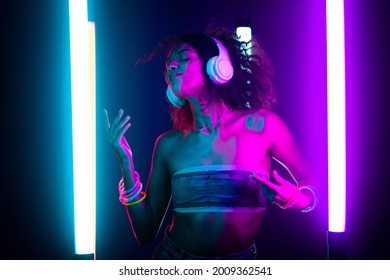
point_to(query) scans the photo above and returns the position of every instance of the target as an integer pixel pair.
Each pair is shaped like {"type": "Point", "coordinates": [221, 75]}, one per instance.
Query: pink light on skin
{"type": "Point", "coordinates": [336, 114]}
{"type": "Point", "coordinates": [184, 73]}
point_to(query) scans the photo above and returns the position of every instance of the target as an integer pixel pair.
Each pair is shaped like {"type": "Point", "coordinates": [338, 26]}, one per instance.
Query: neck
{"type": "Point", "coordinates": [207, 116]}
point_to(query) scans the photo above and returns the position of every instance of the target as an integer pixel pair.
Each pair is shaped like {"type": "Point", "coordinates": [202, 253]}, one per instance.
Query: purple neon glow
{"type": "Point", "coordinates": [336, 114]}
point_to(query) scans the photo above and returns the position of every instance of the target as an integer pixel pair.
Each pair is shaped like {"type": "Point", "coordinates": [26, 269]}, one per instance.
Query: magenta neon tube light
{"type": "Point", "coordinates": [336, 114]}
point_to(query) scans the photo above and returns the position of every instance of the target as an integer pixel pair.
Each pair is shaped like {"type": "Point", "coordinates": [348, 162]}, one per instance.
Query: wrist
{"type": "Point", "coordinates": [290, 203]}
{"type": "Point", "coordinates": [125, 158]}
{"type": "Point", "coordinates": [132, 195]}
{"type": "Point", "coordinates": [312, 197]}
{"type": "Point", "coordinates": [304, 198]}
{"type": "Point", "coordinates": [126, 164]}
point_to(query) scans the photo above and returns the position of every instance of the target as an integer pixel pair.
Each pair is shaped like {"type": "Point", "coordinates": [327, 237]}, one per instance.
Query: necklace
{"type": "Point", "coordinates": [207, 126]}
{"type": "Point", "coordinates": [209, 130]}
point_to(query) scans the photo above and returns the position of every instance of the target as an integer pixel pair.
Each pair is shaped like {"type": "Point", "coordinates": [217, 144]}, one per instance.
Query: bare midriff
{"type": "Point", "coordinates": [215, 233]}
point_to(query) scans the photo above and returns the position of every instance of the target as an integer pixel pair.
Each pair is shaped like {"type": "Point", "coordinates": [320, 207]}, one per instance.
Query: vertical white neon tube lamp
{"type": "Point", "coordinates": [82, 54]}
{"type": "Point", "coordinates": [244, 32]}
{"type": "Point", "coordinates": [336, 118]}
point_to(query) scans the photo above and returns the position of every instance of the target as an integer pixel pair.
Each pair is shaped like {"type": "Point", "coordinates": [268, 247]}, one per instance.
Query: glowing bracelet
{"type": "Point", "coordinates": [137, 201]}
{"type": "Point", "coordinates": [125, 199]}
{"type": "Point", "coordinates": [316, 197]}
{"type": "Point", "coordinates": [133, 193]}
{"type": "Point", "coordinates": [291, 201]}
{"type": "Point", "coordinates": [121, 185]}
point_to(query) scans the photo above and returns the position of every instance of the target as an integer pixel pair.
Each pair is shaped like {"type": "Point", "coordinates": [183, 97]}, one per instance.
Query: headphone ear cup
{"type": "Point", "coordinates": [210, 68]}
{"type": "Point", "coordinates": [219, 68]}
{"type": "Point", "coordinates": [173, 99]}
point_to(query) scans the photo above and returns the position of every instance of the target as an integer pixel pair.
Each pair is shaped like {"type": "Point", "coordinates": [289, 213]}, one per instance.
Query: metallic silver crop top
{"type": "Point", "coordinates": [217, 188]}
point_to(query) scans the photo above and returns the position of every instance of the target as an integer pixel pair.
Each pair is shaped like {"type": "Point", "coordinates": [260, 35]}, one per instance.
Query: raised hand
{"type": "Point", "coordinates": [115, 134]}
{"type": "Point", "coordinates": [279, 193]}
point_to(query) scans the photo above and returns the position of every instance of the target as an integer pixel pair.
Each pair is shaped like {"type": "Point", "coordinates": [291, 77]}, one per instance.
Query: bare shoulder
{"type": "Point", "coordinates": [263, 120]}
{"type": "Point", "coordinates": [167, 140]}
{"type": "Point", "coordinates": [163, 148]}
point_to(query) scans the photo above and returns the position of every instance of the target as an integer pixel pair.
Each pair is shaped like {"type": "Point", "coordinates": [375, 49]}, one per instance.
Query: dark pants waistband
{"type": "Point", "coordinates": [168, 250]}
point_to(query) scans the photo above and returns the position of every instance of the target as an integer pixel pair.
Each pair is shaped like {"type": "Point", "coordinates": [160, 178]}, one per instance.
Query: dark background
{"type": "Point", "coordinates": [36, 198]}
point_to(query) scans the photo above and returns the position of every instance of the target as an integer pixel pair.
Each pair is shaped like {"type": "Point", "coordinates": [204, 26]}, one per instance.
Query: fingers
{"type": "Point", "coordinates": [281, 190]}
{"type": "Point", "coordinates": [124, 129]}
{"type": "Point", "coordinates": [118, 117]}
{"type": "Point", "coordinates": [106, 120]}
{"type": "Point", "coordinates": [124, 122]}
{"type": "Point", "coordinates": [279, 179]}
{"type": "Point", "coordinates": [270, 190]}
{"type": "Point", "coordinates": [263, 179]}
{"type": "Point", "coordinates": [118, 127]}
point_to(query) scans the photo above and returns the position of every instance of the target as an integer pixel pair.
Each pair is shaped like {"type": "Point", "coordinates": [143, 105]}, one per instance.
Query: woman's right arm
{"type": "Point", "coordinates": [145, 217]}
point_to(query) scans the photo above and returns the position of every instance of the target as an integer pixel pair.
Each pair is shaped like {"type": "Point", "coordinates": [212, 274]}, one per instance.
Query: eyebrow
{"type": "Point", "coordinates": [184, 50]}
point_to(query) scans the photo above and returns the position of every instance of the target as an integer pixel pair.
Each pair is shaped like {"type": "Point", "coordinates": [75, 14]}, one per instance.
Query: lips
{"type": "Point", "coordinates": [173, 76]}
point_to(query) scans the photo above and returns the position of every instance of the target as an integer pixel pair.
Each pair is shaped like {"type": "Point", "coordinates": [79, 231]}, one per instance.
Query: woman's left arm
{"type": "Point", "coordinates": [301, 196]}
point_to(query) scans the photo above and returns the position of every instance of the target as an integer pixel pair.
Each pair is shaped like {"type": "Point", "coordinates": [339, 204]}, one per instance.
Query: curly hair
{"type": "Point", "coordinates": [251, 86]}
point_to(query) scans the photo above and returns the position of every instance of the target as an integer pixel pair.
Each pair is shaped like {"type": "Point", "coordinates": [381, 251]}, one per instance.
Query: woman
{"type": "Point", "coordinates": [216, 163]}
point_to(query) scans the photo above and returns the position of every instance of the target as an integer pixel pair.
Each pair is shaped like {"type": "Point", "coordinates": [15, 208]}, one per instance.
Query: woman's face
{"type": "Point", "coordinates": [184, 72]}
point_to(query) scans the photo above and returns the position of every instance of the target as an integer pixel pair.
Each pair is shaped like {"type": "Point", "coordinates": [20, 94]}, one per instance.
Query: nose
{"type": "Point", "coordinates": [172, 66]}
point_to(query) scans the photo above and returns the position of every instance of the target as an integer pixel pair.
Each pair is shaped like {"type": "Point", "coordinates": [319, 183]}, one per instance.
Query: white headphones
{"type": "Point", "coordinates": [219, 68]}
